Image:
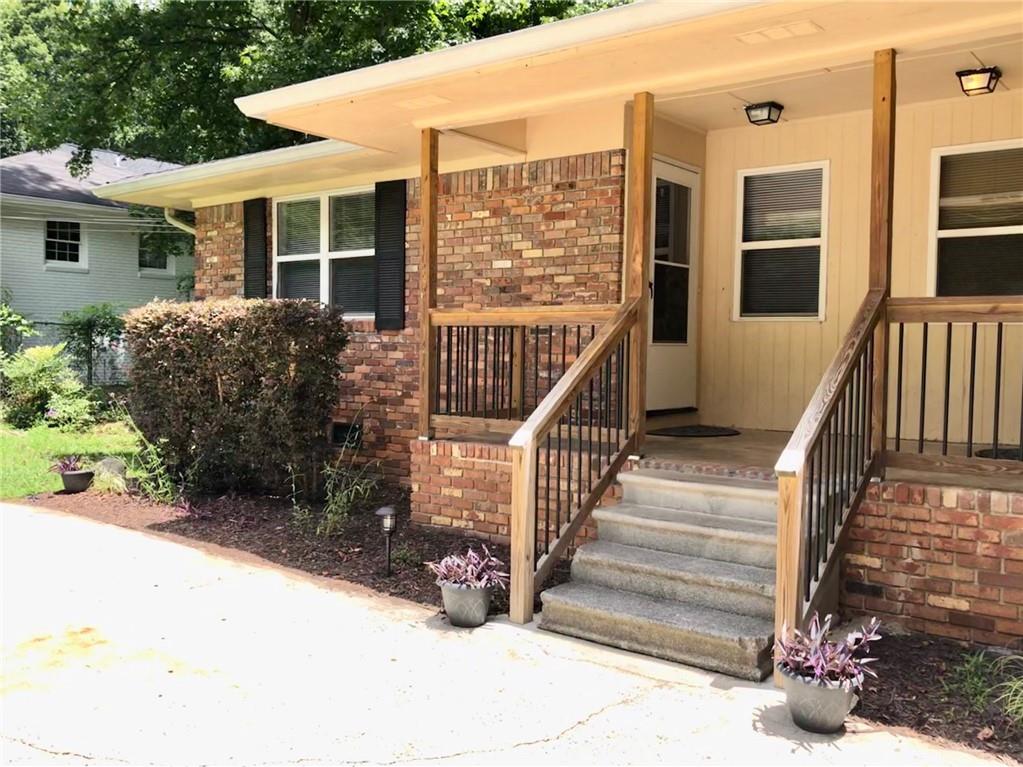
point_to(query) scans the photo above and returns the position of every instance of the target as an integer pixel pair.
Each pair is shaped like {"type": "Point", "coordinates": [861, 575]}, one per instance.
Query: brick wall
{"type": "Point", "coordinates": [942, 560]}
{"type": "Point", "coordinates": [548, 231]}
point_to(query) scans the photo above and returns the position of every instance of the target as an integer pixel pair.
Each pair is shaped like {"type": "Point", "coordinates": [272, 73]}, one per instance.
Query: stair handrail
{"type": "Point", "coordinates": [814, 511]}
{"type": "Point", "coordinates": [528, 573]}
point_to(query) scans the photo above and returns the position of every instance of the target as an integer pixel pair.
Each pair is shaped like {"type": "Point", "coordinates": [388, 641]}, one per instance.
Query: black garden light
{"type": "Point", "coordinates": [764, 113]}
{"type": "Point", "coordinates": [388, 523]}
{"type": "Point", "coordinates": [975, 82]}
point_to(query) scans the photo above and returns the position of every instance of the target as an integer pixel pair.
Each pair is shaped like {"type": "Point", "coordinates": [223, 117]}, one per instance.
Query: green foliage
{"type": "Point", "coordinates": [159, 79]}
{"type": "Point", "coordinates": [234, 392]}
{"type": "Point", "coordinates": [1010, 690]}
{"type": "Point", "coordinates": [40, 384]}
{"type": "Point", "coordinates": [13, 328]}
{"type": "Point", "coordinates": [90, 330]}
{"type": "Point", "coordinates": [147, 467]}
{"type": "Point", "coordinates": [347, 482]}
{"type": "Point", "coordinates": [972, 679]}
{"type": "Point", "coordinates": [406, 556]}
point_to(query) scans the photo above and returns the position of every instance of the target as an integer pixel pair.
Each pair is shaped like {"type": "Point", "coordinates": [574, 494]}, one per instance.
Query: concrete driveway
{"type": "Point", "coordinates": [121, 647]}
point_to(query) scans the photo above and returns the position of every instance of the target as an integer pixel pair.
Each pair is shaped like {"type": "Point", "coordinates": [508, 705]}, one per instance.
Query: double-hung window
{"type": "Point", "coordinates": [977, 220]}
{"type": "Point", "coordinates": [325, 249]}
{"type": "Point", "coordinates": [782, 236]}
{"type": "Point", "coordinates": [63, 242]}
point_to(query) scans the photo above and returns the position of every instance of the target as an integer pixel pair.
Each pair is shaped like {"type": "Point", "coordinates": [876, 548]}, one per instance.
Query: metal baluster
{"type": "Point", "coordinates": [579, 456]}
{"type": "Point", "coordinates": [447, 387]}
{"type": "Point", "coordinates": [809, 529]}
{"type": "Point", "coordinates": [923, 390]}
{"type": "Point", "coordinates": [589, 438]}
{"type": "Point", "coordinates": [547, 497]}
{"type": "Point", "coordinates": [550, 360]}
{"type": "Point", "coordinates": [486, 367]}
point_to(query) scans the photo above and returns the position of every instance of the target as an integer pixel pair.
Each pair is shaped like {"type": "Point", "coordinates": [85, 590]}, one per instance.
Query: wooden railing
{"type": "Point", "coordinates": [956, 374]}
{"type": "Point", "coordinates": [567, 453]}
{"type": "Point", "coordinates": [494, 366]}
{"type": "Point", "coordinates": [824, 469]}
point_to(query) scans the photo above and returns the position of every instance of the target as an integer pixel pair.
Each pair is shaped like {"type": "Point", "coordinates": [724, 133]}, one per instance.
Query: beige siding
{"type": "Point", "coordinates": [760, 374]}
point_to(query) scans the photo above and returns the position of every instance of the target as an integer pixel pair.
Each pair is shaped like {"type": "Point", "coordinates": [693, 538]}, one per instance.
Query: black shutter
{"type": "Point", "coordinates": [255, 248]}
{"type": "Point", "coordinates": [390, 255]}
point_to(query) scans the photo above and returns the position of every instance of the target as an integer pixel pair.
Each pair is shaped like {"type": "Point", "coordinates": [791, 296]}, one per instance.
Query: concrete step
{"type": "Point", "coordinates": [695, 534]}
{"type": "Point", "coordinates": [738, 645]}
{"type": "Point", "coordinates": [727, 586]}
{"type": "Point", "coordinates": [707, 494]}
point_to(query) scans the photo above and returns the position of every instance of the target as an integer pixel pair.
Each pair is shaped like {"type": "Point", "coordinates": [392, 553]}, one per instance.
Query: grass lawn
{"type": "Point", "coordinates": [26, 455]}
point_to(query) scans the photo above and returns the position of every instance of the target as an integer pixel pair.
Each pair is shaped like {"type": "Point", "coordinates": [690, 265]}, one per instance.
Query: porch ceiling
{"type": "Point", "coordinates": [710, 54]}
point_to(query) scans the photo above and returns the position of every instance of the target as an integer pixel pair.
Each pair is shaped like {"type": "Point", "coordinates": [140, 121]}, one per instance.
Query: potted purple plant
{"type": "Point", "coordinates": [822, 677]}
{"type": "Point", "coordinates": [467, 584]}
{"type": "Point", "coordinates": [73, 473]}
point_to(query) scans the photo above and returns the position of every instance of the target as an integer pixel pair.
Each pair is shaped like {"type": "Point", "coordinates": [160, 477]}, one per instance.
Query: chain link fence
{"type": "Point", "coordinates": [109, 364]}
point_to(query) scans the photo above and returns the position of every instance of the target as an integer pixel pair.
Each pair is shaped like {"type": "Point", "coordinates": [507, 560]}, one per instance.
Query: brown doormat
{"type": "Point", "coordinates": [694, 431]}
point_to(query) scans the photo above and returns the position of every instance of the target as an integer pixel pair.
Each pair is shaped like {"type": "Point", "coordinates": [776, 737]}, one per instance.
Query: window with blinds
{"type": "Point", "coordinates": [299, 279]}
{"type": "Point", "coordinates": [298, 227]}
{"type": "Point", "coordinates": [782, 225]}
{"type": "Point", "coordinates": [979, 233]}
{"type": "Point", "coordinates": [352, 219]}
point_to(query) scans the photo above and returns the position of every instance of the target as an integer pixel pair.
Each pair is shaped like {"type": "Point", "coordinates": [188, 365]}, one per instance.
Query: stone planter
{"type": "Point", "coordinates": [815, 707]}
{"type": "Point", "coordinates": [76, 481]}
{"type": "Point", "coordinates": [467, 608]}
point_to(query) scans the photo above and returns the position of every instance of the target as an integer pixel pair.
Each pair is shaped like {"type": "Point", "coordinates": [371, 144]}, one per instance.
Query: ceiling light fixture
{"type": "Point", "coordinates": [975, 82]}
{"type": "Point", "coordinates": [765, 113]}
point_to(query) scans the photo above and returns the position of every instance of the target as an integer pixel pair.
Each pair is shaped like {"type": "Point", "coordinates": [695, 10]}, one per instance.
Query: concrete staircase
{"type": "Point", "coordinates": [683, 569]}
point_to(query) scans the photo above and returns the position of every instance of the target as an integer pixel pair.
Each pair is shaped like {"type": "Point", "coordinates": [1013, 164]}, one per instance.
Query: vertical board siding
{"type": "Point", "coordinates": [761, 374]}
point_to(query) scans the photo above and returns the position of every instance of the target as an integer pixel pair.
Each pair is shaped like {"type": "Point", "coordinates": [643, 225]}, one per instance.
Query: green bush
{"type": "Point", "coordinates": [235, 392]}
{"type": "Point", "coordinates": [40, 384]}
{"type": "Point", "coordinates": [90, 330]}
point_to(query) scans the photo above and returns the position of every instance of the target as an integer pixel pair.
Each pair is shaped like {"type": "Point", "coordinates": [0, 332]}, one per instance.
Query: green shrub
{"type": "Point", "coordinates": [13, 329]}
{"type": "Point", "coordinates": [90, 330]}
{"type": "Point", "coordinates": [235, 392]}
{"type": "Point", "coordinates": [40, 384]}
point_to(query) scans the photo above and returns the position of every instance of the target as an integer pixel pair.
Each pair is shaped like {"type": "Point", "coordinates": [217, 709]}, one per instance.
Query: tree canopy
{"type": "Point", "coordinates": [158, 78]}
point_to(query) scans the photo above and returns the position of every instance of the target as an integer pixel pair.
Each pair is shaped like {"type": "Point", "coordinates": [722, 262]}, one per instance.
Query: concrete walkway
{"type": "Point", "coordinates": [121, 647]}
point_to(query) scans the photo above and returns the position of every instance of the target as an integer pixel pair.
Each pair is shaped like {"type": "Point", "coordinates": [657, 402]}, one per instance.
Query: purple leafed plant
{"type": "Point", "coordinates": [471, 571]}
{"type": "Point", "coordinates": [813, 657]}
{"type": "Point", "coordinates": [67, 463]}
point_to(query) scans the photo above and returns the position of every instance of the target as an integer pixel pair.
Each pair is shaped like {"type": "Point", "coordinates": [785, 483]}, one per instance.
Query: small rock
{"type": "Point", "coordinates": [986, 734]}
{"type": "Point", "coordinates": [112, 465]}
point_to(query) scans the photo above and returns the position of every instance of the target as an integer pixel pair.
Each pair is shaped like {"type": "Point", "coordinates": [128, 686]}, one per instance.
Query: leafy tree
{"type": "Point", "coordinates": [89, 331]}
{"type": "Point", "coordinates": [159, 78]}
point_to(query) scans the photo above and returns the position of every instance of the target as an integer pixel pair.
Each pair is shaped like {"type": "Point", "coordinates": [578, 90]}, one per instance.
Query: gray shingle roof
{"type": "Point", "coordinates": [45, 174]}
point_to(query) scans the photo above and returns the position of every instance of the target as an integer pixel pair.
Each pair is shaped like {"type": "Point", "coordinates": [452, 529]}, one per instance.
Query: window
{"type": "Point", "coordinates": [330, 258]}
{"type": "Point", "coordinates": [63, 241]}
{"type": "Point", "coordinates": [977, 217]}
{"type": "Point", "coordinates": [781, 251]}
{"type": "Point", "coordinates": [670, 308]}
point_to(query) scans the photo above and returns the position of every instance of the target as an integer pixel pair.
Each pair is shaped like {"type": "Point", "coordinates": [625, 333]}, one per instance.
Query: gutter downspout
{"type": "Point", "coordinates": [168, 214]}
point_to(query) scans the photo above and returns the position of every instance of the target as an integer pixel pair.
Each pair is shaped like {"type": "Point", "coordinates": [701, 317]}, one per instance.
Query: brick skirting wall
{"type": "Point", "coordinates": [941, 560]}
{"type": "Point", "coordinates": [543, 232]}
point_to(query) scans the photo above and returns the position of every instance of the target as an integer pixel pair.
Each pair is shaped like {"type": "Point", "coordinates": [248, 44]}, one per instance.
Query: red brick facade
{"type": "Point", "coordinates": [941, 560]}
{"type": "Point", "coordinates": [543, 232]}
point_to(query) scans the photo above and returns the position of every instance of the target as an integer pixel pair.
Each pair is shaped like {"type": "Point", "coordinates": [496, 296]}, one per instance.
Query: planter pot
{"type": "Point", "coordinates": [466, 607]}
{"type": "Point", "coordinates": [76, 481]}
{"type": "Point", "coordinates": [815, 707]}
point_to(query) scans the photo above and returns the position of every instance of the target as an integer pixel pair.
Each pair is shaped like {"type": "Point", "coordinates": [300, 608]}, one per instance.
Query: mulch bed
{"type": "Point", "coordinates": [263, 526]}
{"type": "Point", "coordinates": [910, 691]}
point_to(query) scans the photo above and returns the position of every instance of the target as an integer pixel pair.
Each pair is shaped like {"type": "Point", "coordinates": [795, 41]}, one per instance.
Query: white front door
{"type": "Point", "coordinates": [671, 358]}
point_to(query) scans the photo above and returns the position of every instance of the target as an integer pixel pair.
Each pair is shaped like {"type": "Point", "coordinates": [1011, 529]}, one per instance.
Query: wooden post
{"type": "Point", "coordinates": [882, 180]}
{"type": "Point", "coordinates": [427, 278]}
{"type": "Point", "coordinates": [523, 534]}
{"type": "Point", "coordinates": [518, 351]}
{"type": "Point", "coordinates": [788, 593]}
{"type": "Point", "coordinates": [637, 260]}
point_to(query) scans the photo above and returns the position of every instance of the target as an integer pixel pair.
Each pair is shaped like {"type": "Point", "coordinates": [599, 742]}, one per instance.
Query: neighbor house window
{"type": "Point", "coordinates": [63, 241]}
{"type": "Point", "coordinates": [782, 235]}
{"type": "Point", "coordinates": [325, 250]}
{"type": "Point", "coordinates": [978, 236]}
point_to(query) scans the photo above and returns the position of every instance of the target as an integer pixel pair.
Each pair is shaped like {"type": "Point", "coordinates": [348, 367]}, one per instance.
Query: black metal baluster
{"type": "Point", "coordinates": [948, 388]}
{"type": "Point", "coordinates": [822, 474]}
{"type": "Point", "coordinates": [923, 390]}
{"type": "Point", "coordinates": [579, 452]}
{"type": "Point", "coordinates": [536, 369]}
{"type": "Point", "coordinates": [447, 386]}
{"type": "Point", "coordinates": [898, 392]}
{"type": "Point", "coordinates": [589, 437]}
{"type": "Point", "coordinates": [436, 371]}
{"type": "Point", "coordinates": [568, 468]}
{"type": "Point", "coordinates": [602, 407]}
{"type": "Point", "coordinates": [550, 360]}
{"type": "Point", "coordinates": [557, 488]}
{"type": "Point", "coordinates": [998, 390]}
{"type": "Point", "coordinates": [809, 529]}
{"type": "Point", "coordinates": [486, 368]}
{"type": "Point", "coordinates": [868, 440]}
{"type": "Point", "coordinates": [973, 387]}
{"type": "Point", "coordinates": [547, 504]}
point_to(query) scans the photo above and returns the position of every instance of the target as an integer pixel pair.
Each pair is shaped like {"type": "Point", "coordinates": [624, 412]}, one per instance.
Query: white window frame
{"type": "Point", "coordinates": [148, 271]}
{"type": "Point", "coordinates": [80, 266]}
{"type": "Point", "coordinates": [821, 242]}
{"type": "Point", "coordinates": [933, 196]}
{"type": "Point", "coordinates": [325, 256]}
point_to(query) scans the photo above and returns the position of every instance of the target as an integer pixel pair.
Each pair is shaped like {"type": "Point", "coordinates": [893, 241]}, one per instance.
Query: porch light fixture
{"type": "Point", "coordinates": [975, 82]}
{"type": "Point", "coordinates": [765, 113]}
{"type": "Point", "coordinates": [388, 523]}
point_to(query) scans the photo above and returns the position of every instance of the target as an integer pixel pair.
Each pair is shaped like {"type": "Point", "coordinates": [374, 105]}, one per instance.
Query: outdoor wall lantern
{"type": "Point", "coordinates": [388, 522]}
{"type": "Point", "coordinates": [974, 82]}
{"type": "Point", "coordinates": [765, 113]}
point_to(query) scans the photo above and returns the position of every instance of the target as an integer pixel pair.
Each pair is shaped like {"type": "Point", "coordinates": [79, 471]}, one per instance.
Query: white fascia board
{"type": "Point", "coordinates": [641, 16]}
{"type": "Point", "coordinates": [48, 203]}
{"type": "Point", "coordinates": [209, 170]}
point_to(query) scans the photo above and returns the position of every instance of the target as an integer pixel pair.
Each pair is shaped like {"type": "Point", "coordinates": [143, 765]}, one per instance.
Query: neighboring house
{"type": "Point", "coordinates": [619, 225]}
{"type": "Point", "coordinates": [62, 247]}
